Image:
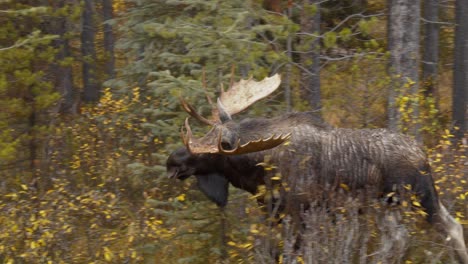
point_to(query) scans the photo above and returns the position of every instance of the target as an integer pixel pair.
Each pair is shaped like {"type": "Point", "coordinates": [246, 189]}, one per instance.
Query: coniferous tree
{"type": "Point", "coordinates": [62, 68]}
{"type": "Point", "coordinates": [180, 47]}
{"type": "Point", "coordinates": [431, 46]}
{"type": "Point", "coordinates": [25, 90]}
{"type": "Point", "coordinates": [107, 15]}
{"type": "Point", "coordinates": [88, 50]}
{"type": "Point", "coordinates": [310, 24]}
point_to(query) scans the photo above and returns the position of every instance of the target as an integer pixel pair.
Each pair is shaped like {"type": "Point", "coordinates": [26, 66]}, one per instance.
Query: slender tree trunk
{"type": "Point", "coordinates": [287, 81]}
{"type": "Point", "coordinates": [108, 14]}
{"type": "Point", "coordinates": [310, 23]}
{"type": "Point", "coordinates": [32, 119]}
{"type": "Point", "coordinates": [431, 46]}
{"type": "Point", "coordinates": [403, 44]}
{"type": "Point", "coordinates": [63, 73]}
{"type": "Point", "coordinates": [460, 70]}
{"type": "Point", "coordinates": [223, 236]}
{"type": "Point", "coordinates": [90, 87]}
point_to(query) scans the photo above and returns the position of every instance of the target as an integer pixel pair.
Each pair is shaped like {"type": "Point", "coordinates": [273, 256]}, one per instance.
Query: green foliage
{"type": "Point", "coordinates": [329, 40]}
{"type": "Point", "coordinates": [188, 48]}
{"type": "Point", "coordinates": [25, 92]}
{"type": "Point", "coordinates": [231, 31]}
{"type": "Point", "coordinates": [98, 192]}
{"type": "Point", "coordinates": [94, 209]}
{"type": "Point", "coordinates": [354, 91]}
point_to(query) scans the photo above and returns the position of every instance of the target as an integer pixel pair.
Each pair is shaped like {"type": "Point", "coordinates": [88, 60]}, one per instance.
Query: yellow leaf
{"type": "Point", "coordinates": [247, 245]}
{"type": "Point", "coordinates": [181, 197]}
{"type": "Point", "coordinates": [277, 177]}
{"type": "Point", "coordinates": [300, 260]}
{"type": "Point", "coordinates": [416, 203]}
{"type": "Point", "coordinates": [13, 196]}
{"type": "Point", "coordinates": [344, 186]}
{"type": "Point", "coordinates": [33, 245]}
{"type": "Point", "coordinates": [108, 256]}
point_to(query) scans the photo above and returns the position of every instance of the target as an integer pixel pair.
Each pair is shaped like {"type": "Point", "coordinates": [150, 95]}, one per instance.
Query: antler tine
{"type": "Point", "coordinates": [183, 135]}
{"type": "Point", "coordinates": [188, 137]}
{"type": "Point", "coordinates": [204, 87]}
{"type": "Point", "coordinates": [233, 67]}
{"type": "Point", "coordinates": [244, 93]}
{"type": "Point", "coordinates": [254, 146]}
{"type": "Point", "coordinates": [197, 146]}
{"type": "Point", "coordinates": [191, 111]}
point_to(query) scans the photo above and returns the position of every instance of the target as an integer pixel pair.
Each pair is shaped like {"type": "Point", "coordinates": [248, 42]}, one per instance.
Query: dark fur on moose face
{"type": "Point", "coordinates": [181, 164]}
{"type": "Point", "coordinates": [205, 167]}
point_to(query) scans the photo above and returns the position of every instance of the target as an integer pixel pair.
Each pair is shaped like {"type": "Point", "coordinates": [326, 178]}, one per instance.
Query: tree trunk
{"type": "Point", "coordinates": [431, 46]}
{"type": "Point", "coordinates": [90, 87]}
{"type": "Point", "coordinates": [460, 70]}
{"type": "Point", "coordinates": [310, 24]}
{"type": "Point", "coordinates": [63, 73]}
{"type": "Point", "coordinates": [108, 14]}
{"type": "Point", "coordinates": [403, 44]}
{"type": "Point", "coordinates": [287, 80]}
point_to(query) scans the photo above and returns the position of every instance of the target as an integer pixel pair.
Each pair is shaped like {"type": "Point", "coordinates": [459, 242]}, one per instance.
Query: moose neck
{"type": "Point", "coordinates": [243, 172]}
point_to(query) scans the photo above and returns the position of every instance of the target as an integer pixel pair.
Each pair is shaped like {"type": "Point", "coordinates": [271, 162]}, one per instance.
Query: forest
{"type": "Point", "coordinates": [90, 111]}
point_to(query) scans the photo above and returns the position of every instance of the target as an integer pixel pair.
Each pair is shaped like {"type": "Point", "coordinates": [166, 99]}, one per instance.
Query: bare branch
{"type": "Point", "coordinates": [16, 45]}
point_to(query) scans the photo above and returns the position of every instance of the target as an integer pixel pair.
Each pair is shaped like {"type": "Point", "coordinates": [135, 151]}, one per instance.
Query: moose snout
{"type": "Point", "coordinates": [172, 173]}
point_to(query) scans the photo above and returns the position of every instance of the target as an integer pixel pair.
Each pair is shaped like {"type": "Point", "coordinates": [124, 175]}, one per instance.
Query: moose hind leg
{"type": "Point", "coordinates": [394, 237]}
{"type": "Point", "coordinates": [454, 231]}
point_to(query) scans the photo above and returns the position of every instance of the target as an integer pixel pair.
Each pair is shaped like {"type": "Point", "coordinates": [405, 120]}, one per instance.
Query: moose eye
{"type": "Point", "coordinates": [225, 145]}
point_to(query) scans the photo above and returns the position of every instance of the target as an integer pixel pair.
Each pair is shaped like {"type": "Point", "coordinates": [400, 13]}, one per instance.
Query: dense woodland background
{"type": "Point", "coordinates": [89, 112]}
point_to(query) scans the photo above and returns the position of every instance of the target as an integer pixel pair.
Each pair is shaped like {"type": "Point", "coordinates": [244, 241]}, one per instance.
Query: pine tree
{"type": "Point", "coordinates": [25, 91]}
{"type": "Point", "coordinates": [180, 47]}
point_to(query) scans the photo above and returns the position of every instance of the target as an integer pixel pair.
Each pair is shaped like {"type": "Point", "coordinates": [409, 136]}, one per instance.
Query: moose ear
{"type": "Point", "coordinates": [224, 115]}
{"type": "Point", "coordinates": [215, 187]}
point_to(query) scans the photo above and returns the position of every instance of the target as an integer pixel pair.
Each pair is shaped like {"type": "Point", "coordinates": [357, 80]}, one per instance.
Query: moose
{"type": "Point", "coordinates": [301, 153]}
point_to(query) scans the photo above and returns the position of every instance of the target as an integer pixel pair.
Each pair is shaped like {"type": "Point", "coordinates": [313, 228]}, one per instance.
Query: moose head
{"type": "Point", "coordinates": [214, 158]}
{"type": "Point", "coordinates": [225, 136]}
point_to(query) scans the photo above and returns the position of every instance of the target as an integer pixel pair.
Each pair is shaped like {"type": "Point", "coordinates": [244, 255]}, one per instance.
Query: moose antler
{"type": "Point", "coordinates": [195, 146]}
{"type": "Point", "coordinates": [238, 97]}
{"type": "Point", "coordinates": [244, 93]}
{"type": "Point", "coordinates": [191, 111]}
{"type": "Point", "coordinates": [256, 145]}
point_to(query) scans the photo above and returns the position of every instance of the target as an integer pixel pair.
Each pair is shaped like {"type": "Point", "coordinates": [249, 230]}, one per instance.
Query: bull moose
{"type": "Point", "coordinates": [307, 154]}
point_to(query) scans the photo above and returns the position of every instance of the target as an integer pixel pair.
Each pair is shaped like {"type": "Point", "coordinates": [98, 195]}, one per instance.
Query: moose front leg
{"type": "Point", "coordinates": [454, 232]}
